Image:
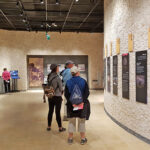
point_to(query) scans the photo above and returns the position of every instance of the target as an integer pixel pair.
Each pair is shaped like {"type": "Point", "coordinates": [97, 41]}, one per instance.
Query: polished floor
{"type": "Point", "coordinates": [23, 126]}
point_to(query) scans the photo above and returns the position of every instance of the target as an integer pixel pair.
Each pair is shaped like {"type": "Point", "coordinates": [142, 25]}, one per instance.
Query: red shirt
{"type": "Point", "coordinates": [6, 75]}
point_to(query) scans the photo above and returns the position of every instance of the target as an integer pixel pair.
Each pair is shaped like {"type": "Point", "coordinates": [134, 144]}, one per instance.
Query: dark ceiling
{"type": "Point", "coordinates": [52, 15]}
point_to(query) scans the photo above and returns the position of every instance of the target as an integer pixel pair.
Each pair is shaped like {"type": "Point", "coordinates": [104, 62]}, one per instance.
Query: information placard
{"type": "Point", "coordinates": [108, 75]}
{"type": "Point", "coordinates": [125, 75]}
{"type": "Point", "coordinates": [141, 77]}
{"type": "Point", "coordinates": [104, 82]}
{"type": "Point", "coordinates": [115, 75]}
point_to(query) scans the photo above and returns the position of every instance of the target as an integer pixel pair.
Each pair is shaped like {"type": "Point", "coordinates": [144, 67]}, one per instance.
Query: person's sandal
{"type": "Point", "coordinates": [48, 129]}
{"type": "Point", "coordinates": [70, 141]}
{"type": "Point", "coordinates": [62, 130]}
{"type": "Point", "coordinates": [83, 141]}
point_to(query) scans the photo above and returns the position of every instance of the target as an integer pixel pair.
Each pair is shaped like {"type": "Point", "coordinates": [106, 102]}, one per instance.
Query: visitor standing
{"type": "Point", "coordinates": [66, 75]}
{"type": "Point", "coordinates": [55, 101]}
{"type": "Point", "coordinates": [6, 77]}
{"type": "Point", "coordinates": [78, 106]}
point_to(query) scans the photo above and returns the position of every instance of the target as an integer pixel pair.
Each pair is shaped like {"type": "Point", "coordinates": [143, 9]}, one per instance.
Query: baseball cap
{"type": "Point", "coordinates": [53, 66]}
{"type": "Point", "coordinates": [74, 69]}
{"type": "Point", "coordinates": [69, 62]}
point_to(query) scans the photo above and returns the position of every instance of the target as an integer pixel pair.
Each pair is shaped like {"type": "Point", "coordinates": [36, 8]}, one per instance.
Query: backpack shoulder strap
{"type": "Point", "coordinates": [50, 82]}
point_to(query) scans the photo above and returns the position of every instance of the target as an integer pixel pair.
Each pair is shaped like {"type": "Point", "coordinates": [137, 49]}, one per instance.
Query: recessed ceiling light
{"type": "Point", "coordinates": [76, 0]}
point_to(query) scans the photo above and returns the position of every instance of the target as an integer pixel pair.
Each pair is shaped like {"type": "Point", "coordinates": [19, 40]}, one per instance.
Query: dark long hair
{"type": "Point", "coordinates": [54, 70]}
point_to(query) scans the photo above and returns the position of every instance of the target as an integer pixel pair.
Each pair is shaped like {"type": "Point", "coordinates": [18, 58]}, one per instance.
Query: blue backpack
{"type": "Point", "coordinates": [76, 95]}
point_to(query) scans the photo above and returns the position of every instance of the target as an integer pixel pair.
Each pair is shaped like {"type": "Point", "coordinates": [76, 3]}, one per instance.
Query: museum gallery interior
{"type": "Point", "coordinates": [108, 41]}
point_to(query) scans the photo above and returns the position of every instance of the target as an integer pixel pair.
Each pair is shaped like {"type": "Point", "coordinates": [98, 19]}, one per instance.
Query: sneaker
{"type": "Point", "coordinates": [83, 141]}
{"type": "Point", "coordinates": [70, 141]}
{"type": "Point", "coordinates": [48, 129]}
{"type": "Point", "coordinates": [62, 130]}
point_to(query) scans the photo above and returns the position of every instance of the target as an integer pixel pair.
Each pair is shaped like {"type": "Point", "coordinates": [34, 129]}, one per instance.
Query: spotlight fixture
{"type": "Point", "coordinates": [76, 0]}
{"type": "Point", "coordinates": [24, 20]}
{"type": "Point", "coordinates": [21, 14]}
{"type": "Point", "coordinates": [57, 2]}
{"type": "Point", "coordinates": [54, 24]}
{"type": "Point", "coordinates": [42, 2]}
{"type": "Point", "coordinates": [42, 25]}
{"type": "Point", "coordinates": [47, 25]}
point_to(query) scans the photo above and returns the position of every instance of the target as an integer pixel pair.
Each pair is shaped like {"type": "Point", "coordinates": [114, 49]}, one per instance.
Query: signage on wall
{"type": "Point", "coordinates": [125, 76]}
{"type": "Point", "coordinates": [104, 74]}
{"type": "Point", "coordinates": [130, 43]}
{"type": "Point", "coordinates": [108, 75]}
{"type": "Point", "coordinates": [118, 46]}
{"type": "Point", "coordinates": [149, 38]}
{"type": "Point", "coordinates": [141, 76]}
{"type": "Point", "coordinates": [81, 67]}
{"type": "Point", "coordinates": [110, 48]}
{"type": "Point", "coordinates": [115, 75]}
{"type": "Point", "coordinates": [106, 50]}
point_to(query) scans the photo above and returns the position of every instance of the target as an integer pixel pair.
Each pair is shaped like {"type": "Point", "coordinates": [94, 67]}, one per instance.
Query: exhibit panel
{"type": "Point", "coordinates": [129, 23]}
{"type": "Point", "coordinates": [125, 76]}
{"type": "Point", "coordinates": [108, 74]}
{"type": "Point", "coordinates": [104, 78]}
{"type": "Point", "coordinates": [141, 77]}
{"type": "Point", "coordinates": [115, 75]}
{"type": "Point", "coordinates": [35, 72]}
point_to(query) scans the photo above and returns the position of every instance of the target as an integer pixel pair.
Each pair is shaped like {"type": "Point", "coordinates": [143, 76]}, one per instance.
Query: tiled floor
{"type": "Point", "coordinates": [23, 127]}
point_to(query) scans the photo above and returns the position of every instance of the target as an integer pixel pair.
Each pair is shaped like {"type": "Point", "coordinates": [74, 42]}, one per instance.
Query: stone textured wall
{"type": "Point", "coordinates": [15, 46]}
{"type": "Point", "coordinates": [123, 17]}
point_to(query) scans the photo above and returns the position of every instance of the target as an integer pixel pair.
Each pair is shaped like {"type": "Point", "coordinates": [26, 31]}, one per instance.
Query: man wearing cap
{"type": "Point", "coordinates": [78, 106]}
{"type": "Point", "coordinates": [66, 74]}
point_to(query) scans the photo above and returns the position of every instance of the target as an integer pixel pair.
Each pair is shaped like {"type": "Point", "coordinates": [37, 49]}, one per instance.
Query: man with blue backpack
{"type": "Point", "coordinates": [78, 106]}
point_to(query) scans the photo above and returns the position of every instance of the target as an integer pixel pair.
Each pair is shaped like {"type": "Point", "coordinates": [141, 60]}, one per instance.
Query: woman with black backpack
{"type": "Point", "coordinates": [55, 100]}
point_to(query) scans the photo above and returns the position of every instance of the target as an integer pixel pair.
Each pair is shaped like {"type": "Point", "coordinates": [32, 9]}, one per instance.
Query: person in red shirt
{"type": "Point", "coordinates": [6, 77]}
